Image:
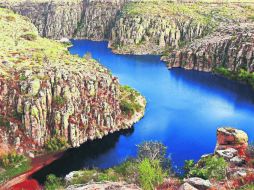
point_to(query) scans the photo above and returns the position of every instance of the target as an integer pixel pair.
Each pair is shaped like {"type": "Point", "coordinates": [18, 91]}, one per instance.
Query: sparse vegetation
{"type": "Point", "coordinates": [13, 164]}
{"type": "Point", "coordinates": [211, 167]}
{"type": "Point", "coordinates": [129, 101]}
{"type": "Point", "coordinates": [150, 174]}
{"type": "Point", "coordinates": [240, 75]}
{"type": "Point", "coordinates": [56, 144]}
{"type": "Point", "coordinates": [53, 183]}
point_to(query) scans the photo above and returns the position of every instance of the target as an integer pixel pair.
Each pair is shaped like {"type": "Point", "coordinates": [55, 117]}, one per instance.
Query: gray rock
{"type": "Point", "coordinates": [199, 183]}
{"type": "Point", "coordinates": [187, 186]}
{"type": "Point", "coordinates": [227, 153]}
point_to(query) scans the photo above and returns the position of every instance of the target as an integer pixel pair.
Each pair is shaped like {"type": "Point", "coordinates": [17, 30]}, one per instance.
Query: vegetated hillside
{"type": "Point", "coordinates": [51, 99]}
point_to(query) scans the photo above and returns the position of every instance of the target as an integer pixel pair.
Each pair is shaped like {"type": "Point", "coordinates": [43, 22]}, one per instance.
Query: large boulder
{"type": "Point", "coordinates": [229, 138]}
{"type": "Point", "coordinates": [198, 183]}
{"type": "Point", "coordinates": [104, 185]}
{"type": "Point", "coordinates": [187, 186]}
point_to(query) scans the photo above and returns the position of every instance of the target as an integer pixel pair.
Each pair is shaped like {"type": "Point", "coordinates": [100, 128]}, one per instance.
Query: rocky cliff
{"type": "Point", "coordinates": [69, 18]}
{"type": "Point", "coordinates": [228, 51]}
{"type": "Point", "coordinates": [46, 93]}
{"type": "Point", "coordinates": [131, 26]}
{"type": "Point", "coordinates": [157, 27]}
{"type": "Point", "coordinates": [231, 47]}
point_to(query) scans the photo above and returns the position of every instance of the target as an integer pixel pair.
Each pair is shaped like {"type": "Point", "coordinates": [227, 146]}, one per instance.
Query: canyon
{"type": "Point", "coordinates": [52, 100]}
{"type": "Point", "coordinates": [152, 27]}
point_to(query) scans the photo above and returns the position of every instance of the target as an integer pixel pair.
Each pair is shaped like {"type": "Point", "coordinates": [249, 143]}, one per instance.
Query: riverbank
{"type": "Point", "coordinates": [229, 167]}
{"type": "Point", "coordinates": [36, 164]}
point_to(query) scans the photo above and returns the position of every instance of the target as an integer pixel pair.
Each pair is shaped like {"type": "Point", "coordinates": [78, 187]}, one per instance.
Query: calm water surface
{"type": "Point", "coordinates": [184, 109]}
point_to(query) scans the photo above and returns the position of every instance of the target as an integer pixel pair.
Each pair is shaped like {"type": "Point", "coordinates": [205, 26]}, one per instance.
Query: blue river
{"type": "Point", "coordinates": [184, 109]}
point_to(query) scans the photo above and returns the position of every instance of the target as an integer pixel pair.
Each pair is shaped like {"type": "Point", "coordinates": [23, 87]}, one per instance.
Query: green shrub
{"type": "Point", "coordinates": [211, 167]}
{"type": "Point", "coordinates": [22, 77]}
{"type": "Point", "coordinates": [127, 108]}
{"type": "Point", "coordinates": [128, 170]}
{"type": "Point", "coordinates": [59, 100]}
{"type": "Point", "coordinates": [53, 182]}
{"type": "Point", "coordinates": [129, 103]}
{"type": "Point", "coordinates": [150, 174]}
{"type": "Point", "coordinates": [12, 159]}
{"type": "Point", "coordinates": [84, 176]}
{"type": "Point", "coordinates": [188, 166]}
{"type": "Point", "coordinates": [108, 175]}
{"type": "Point", "coordinates": [56, 143]}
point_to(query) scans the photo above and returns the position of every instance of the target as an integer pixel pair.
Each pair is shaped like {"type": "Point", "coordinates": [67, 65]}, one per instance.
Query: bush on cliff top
{"type": "Point", "coordinates": [210, 167]}
{"type": "Point", "coordinates": [56, 144]}
{"type": "Point", "coordinates": [129, 103]}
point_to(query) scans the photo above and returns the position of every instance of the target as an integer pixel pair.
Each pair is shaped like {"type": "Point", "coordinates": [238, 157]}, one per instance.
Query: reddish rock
{"type": "Point", "coordinates": [228, 138]}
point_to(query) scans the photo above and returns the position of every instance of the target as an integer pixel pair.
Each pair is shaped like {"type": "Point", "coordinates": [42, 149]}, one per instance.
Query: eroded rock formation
{"type": "Point", "coordinates": [45, 92]}
{"type": "Point", "coordinates": [68, 18]}
{"type": "Point", "coordinates": [231, 47]}
{"type": "Point", "coordinates": [130, 26]}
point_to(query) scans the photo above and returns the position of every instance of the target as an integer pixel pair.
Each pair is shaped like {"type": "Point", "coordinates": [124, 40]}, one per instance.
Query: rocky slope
{"type": "Point", "coordinates": [131, 26]}
{"type": "Point", "coordinates": [69, 18]}
{"type": "Point", "coordinates": [230, 47]}
{"type": "Point", "coordinates": [46, 93]}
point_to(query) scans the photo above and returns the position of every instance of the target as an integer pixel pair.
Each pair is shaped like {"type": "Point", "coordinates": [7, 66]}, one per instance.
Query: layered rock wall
{"type": "Point", "coordinates": [151, 34]}
{"type": "Point", "coordinates": [231, 47]}
{"type": "Point", "coordinates": [89, 19]}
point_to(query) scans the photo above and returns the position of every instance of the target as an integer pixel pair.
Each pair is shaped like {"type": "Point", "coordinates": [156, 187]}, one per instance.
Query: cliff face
{"type": "Point", "coordinates": [70, 18]}
{"type": "Point", "coordinates": [131, 26]}
{"type": "Point", "coordinates": [53, 19]}
{"type": "Point", "coordinates": [229, 47]}
{"type": "Point", "coordinates": [151, 27]}
{"type": "Point", "coordinates": [97, 20]}
{"type": "Point", "coordinates": [45, 92]}
{"type": "Point", "coordinates": [151, 34]}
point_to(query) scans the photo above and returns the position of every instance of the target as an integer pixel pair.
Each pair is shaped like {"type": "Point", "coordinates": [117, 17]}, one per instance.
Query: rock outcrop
{"type": "Point", "coordinates": [130, 26]}
{"type": "Point", "coordinates": [47, 93]}
{"type": "Point", "coordinates": [104, 185]}
{"type": "Point", "coordinates": [142, 34]}
{"type": "Point", "coordinates": [69, 18]}
{"type": "Point", "coordinates": [231, 144]}
{"type": "Point", "coordinates": [230, 47]}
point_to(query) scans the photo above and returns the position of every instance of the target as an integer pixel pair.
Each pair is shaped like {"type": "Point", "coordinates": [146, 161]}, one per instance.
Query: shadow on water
{"type": "Point", "coordinates": [215, 83]}
{"type": "Point", "coordinates": [77, 158]}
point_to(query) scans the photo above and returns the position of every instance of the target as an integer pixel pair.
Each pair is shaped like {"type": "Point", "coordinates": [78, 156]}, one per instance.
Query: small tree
{"type": "Point", "coordinates": [154, 150]}
{"type": "Point", "coordinates": [150, 174]}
